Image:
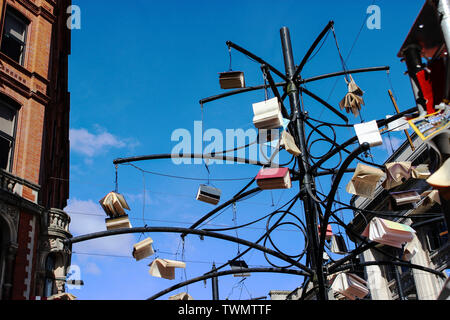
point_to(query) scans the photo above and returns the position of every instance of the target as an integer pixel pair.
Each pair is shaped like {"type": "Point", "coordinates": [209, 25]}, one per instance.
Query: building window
{"type": "Point", "coordinates": [14, 36]}
{"type": "Point", "coordinates": [8, 114]}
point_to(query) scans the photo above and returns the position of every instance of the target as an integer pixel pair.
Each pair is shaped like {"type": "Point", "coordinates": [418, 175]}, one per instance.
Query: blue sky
{"type": "Point", "coordinates": [137, 72]}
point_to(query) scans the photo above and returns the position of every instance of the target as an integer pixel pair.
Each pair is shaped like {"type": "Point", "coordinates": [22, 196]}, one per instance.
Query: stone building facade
{"type": "Point", "coordinates": [34, 147]}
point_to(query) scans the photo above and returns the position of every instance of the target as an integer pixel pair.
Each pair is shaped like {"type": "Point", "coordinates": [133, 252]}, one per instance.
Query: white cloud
{"type": "Point", "coordinates": [91, 144]}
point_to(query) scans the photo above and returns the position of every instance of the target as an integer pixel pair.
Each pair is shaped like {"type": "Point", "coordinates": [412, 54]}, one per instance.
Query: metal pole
{"type": "Point", "coordinates": [309, 204]}
{"type": "Point", "coordinates": [215, 285]}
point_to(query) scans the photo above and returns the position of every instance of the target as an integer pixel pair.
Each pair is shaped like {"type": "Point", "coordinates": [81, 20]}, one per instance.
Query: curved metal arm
{"type": "Point", "coordinates": [344, 145]}
{"type": "Point", "coordinates": [256, 58]}
{"type": "Point", "coordinates": [302, 81]}
{"type": "Point", "coordinates": [188, 156]}
{"type": "Point", "coordinates": [224, 273]}
{"type": "Point", "coordinates": [253, 245]}
{"type": "Point", "coordinates": [330, 199]}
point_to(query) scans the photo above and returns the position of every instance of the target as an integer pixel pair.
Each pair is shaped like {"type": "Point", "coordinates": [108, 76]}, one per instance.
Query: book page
{"type": "Point", "coordinates": [368, 132]}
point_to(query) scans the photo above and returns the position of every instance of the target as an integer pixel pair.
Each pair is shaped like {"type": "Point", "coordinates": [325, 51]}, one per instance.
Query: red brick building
{"type": "Point", "coordinates": [34, 147]}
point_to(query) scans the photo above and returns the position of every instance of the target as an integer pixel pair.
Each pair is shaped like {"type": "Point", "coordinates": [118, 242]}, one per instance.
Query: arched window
{"type": "Point", "coordinates": [49, 276]}
{"type": "Point", "coordinates": [8, 119]}
{"type": "Point", "coordinates": [14, 35]}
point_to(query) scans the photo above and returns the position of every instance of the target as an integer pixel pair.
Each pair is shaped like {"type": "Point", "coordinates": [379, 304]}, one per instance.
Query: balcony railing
{"type": "Point", "coordinates": [58, 221]}
{"type": "Point", "coordinates": [15, 185]}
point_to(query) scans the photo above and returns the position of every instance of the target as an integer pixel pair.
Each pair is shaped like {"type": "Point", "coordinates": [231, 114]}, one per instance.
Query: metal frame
{"type": "Point", "coordinates": [304, 172]}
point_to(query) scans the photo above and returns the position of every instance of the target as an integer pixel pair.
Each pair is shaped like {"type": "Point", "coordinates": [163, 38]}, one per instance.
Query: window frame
{"type": "Point", "coordinates": [17, 15]}
{"type": "Point", "coordinates": [15, 107]}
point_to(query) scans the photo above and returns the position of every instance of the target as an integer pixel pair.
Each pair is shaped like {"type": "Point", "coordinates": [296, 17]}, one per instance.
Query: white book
{"type": "Point", "coordinates": [267, 114]}
{"type": "Point", "coordinates": [368, 132]}
{"type": "Point", "coordinates": [400, 124]}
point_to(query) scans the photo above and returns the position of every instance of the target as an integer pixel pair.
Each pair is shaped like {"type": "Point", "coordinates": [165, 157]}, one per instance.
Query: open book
{"type": "Point", "coordinates": [368, 132]}
{"type": "Point", "coordinates": [338, 244]}
{"type": "Point", "coordinates": [181, 296]}
{"type": "Point", "coordinates": [396, 174]}
{"type": "Point", "coordinates": [118, 223]}
{"type": "Point", "coordinates": [164, 268]}
{"type": "Point", "coordinates": [421, 171]}
{"type": "Point", "coordinates": [114, 204]}
{"type": "Point", "coordinates": [231, 80]}
{"type": "Point", "coordinates": [288, 143]}
{"type": "Point", "coordinates": [274, 178]}
{"type": "Point", "coordinates": [143, 249]}
{"type": "Point", "coordinates": [208, 194]}
{"type": "Point", "coordinates": [364, 181]}
{"type": "Point", "coordinates": [404, 200]}
{"type": "Point", "coordinates": [267, 114]}
{"type": "Point", "coordinates": [350, 285]}
{"type": "Point", "coordinates": [388, 232]}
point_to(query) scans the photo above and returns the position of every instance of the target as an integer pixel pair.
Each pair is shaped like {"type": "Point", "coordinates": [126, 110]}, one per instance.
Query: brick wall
{"type": "Point", "coordinates": [40, 87]}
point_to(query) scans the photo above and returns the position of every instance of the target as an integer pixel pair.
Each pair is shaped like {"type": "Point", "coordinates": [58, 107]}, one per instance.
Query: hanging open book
{"type": "Point", "coordinates": [421, 171]}
{"type": "Point", "coordinates": [409, 251]}
{"type": "Point", "coordinates": [404, 200]}
{"type": "Point", "coordinates": [181, 296]}
{"type": "Point", "coordinates": [114, 204]}
{"type": "Point", "coordinates": [338, 244]}
{"type": "Point", "coordinates": [267, 114]}
{"type": "Point", "coordinates": [208, 194]}
{"type": "Point", "coordinates": [274, 178]}
{"type": "Point", "coordinates": [117, 223]}
{"type": "Point", "coordinates": [239, 265]}
{"type": "Point", "coordinates": [143, 249]}
{"type": "Point", "coordinates": [350, 285]}
{"type": "Point", "coordinates": [164, 268]}
{"type": "Point", "coordinates": [368, 132]}
{"type": "Point", "coordinates": [288, 143]}
{"type": "Point", "coordinates": [231, 80]}
{"type": "Point", "coordinates": [388, 232]}
{"type": "Point", "coordinates": [429, 199]}
{"type": "Point", "coordinates": [364, 181]}
{"type": "Point", "coordinates": [397, 173]}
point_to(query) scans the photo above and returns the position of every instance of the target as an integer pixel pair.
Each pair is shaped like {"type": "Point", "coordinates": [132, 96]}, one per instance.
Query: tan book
{"type": "Point", "coordinates": [181, 296]}
{"type": "Point", "coordinates": [118, 223]}
{"type": "Point", "coordinates": [143, 249]}
{"type": "Point", "coordinates": [164, 268]}
{"type": "Point", "coordinates": [364, 181]}
{"type": "Point", "coordinates": [420, 172]}
{"type": "Point", "coordinates": [114, 204]}
{"type": "Point", "coordinates": [288, 143]}
{"type": "Point", "coordinates": [397, 173]}
{"type": "Point", "coordinates": [232, 80]}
